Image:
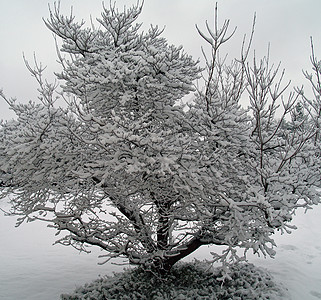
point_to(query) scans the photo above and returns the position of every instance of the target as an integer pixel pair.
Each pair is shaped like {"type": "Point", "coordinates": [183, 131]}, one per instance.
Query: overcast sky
{"type": "Point", "coordinates": [286, 24]}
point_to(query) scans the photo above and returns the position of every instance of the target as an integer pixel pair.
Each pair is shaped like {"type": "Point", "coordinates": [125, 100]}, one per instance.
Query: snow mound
{"type": "Point", "coordinates": [186, 281]}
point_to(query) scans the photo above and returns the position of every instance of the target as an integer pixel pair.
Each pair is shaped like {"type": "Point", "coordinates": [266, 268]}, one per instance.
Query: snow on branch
{"type": "Point", "coordinates": [125, 167]}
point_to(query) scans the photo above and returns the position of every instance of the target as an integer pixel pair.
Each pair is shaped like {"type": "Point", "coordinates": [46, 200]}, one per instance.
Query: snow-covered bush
{"type": "Point", "coordinates": [185, 281]}
{"type": "Point", "coordinates": [126, 166]}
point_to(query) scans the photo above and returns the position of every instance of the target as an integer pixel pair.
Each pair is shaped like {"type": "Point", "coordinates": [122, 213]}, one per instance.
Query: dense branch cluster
{"type": "Point", "coordinates": [126, 167]}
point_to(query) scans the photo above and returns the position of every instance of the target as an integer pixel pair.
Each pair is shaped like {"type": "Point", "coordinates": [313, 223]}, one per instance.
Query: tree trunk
{"type": "Point", "coordinates": [163, 266]}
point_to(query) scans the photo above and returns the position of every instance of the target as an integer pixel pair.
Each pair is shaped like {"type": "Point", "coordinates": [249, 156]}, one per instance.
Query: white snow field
{"type": "Point", "coordinates": [31, 268]}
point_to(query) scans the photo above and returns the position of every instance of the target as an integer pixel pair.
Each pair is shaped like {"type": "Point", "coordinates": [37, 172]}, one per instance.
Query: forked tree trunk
{"type": "Point", "coordinates": [163, 266]}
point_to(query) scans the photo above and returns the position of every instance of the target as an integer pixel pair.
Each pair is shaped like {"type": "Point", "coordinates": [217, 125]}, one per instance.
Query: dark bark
{"type": "Point", "coordinates": [163, 226]}
{"type": "Point", "coordinates": [136, 219]}
{"type": "Point", "coordinates": [139, 225]}
{"type": "Point", "coordinates": [164, 266]}
{"type": "Point", "coordinates": [164, 221]}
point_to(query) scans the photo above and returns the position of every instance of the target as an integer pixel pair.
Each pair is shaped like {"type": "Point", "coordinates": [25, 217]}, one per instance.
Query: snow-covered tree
{"type": "Point", "coordinates": [125, 166]}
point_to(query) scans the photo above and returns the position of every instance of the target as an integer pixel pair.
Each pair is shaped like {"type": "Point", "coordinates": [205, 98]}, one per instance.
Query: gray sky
{"type": "Point", "coordinates": [286, 24]}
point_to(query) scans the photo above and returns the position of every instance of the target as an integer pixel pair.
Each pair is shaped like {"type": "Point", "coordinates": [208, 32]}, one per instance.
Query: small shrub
{"type": "Point", "coordinates": [185, 281]}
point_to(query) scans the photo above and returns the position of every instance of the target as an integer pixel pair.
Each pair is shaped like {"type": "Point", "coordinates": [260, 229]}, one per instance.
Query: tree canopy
{"type": "Point", "coordinates": [127, 166]}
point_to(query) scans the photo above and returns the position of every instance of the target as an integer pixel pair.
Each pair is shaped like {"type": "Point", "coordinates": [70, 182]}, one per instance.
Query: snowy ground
{"type": "Point", "coordinates": [32, 269]}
